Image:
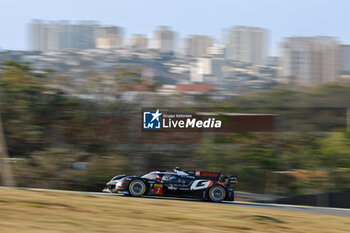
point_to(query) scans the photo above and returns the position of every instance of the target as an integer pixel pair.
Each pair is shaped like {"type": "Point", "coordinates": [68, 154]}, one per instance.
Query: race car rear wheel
{"type": "Point", "coordinates": [137, 188]}
{"type": "Point", "coordinates": [216, 193]}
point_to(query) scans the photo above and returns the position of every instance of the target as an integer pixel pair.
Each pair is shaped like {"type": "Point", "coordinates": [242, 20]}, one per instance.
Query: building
{"type": "Point", "coordinates": [59, 35]}
{"type": "Point", "coordinates": [217, 51]}
{"type": "Point", "coordinates": [345, 59]}
{"type": "Point", "coordinates": [216, 69]}
{"type": "Point", "coordinates": [195, 74]}
{"type": "Point", "coordinates": [207, 69]}
{"type": "Point", "coordinates": [108, 42]}
{"type": "Point", "coordinates": [309, 60]}
{"type": "Point", "coordinates": [271, 61]}
{"type": "Point", "coordinates": [139, 41]}
{"type": "Point", "coordinates": [105, 31]}
{"type": "Point", "coordinates": [164, 39]}
{"type": "Point", "coordinates": [108, 37]}
{"type": "Point", "coordinates": [246, 44]}
{"type": "Point", "coordinates": [205, 65]}
{"type": "Point", "coordinates": [198, 45]}
{"type": "Point", "coordinates": [38, 35]}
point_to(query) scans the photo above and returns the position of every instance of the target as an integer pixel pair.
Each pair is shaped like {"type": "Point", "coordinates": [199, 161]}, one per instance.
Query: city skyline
{"type": "Point", "coordinates": [187, 18]}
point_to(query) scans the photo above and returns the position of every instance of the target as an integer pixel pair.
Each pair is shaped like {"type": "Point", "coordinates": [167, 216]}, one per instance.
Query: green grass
{"type": "Point", "coordinates": [37, 211]}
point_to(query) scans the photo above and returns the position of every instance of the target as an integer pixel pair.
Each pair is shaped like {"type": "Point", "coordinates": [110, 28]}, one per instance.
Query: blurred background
{"type": "Point", "coordinates": [74, 78]}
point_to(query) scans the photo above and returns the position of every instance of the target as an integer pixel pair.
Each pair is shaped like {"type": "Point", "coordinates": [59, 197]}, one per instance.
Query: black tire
{"type": "Point", "coordinates": [137, 188]}
{"type": "Point", "coordinates": [216, 193]}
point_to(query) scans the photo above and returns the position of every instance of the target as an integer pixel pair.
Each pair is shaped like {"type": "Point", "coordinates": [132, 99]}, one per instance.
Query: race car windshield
{"type": "Point", "coordinates": [118, 177]}
{"type": "Point", "coordinates": [150, 176]}
{"type": "Point", "coordinates": [169, 177]}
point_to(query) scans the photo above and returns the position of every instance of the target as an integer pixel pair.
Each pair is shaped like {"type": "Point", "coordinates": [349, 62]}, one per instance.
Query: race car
{"type": "Point", "coordinates": [210, 186]}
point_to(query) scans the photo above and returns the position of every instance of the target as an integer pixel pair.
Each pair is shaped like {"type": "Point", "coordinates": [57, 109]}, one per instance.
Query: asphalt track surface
{"type": "Point", "coordinates": [306, 209]}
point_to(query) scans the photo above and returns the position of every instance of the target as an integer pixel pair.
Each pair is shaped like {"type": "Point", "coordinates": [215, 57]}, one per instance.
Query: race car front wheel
{"type": "Point", "coordinates": [137, 188]}
{"type": "Point", "coordinates": [216, 193]}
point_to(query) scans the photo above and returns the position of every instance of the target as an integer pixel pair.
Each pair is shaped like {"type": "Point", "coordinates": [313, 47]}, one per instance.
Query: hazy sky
{"type": "Point", "coordinates": [282, 18]}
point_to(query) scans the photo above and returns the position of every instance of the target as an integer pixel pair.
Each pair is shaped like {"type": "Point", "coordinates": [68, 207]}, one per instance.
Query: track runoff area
{"type": "Point", "coordinates": [296, 208]}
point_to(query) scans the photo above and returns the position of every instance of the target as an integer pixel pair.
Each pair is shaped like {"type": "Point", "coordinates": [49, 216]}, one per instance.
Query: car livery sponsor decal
{"type": "Point", "coordinates": [172, 187]}
{"type": "Point", "coordinates": [201, 184]}
{"type": "Point", "coordinates": [158, 189]}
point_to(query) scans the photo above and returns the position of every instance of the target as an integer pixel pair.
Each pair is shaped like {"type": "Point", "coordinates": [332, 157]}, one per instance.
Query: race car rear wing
{"type": "Point", "coordinates": [205, 175]}
{"type": "Point", "coordinates": [215, 176]}
{"type": "Point", "coordinates": [232, 180]}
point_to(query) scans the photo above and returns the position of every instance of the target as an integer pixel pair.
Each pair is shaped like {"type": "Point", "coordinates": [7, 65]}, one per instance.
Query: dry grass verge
{"type": "Point", "coordinates": [36, 211]}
